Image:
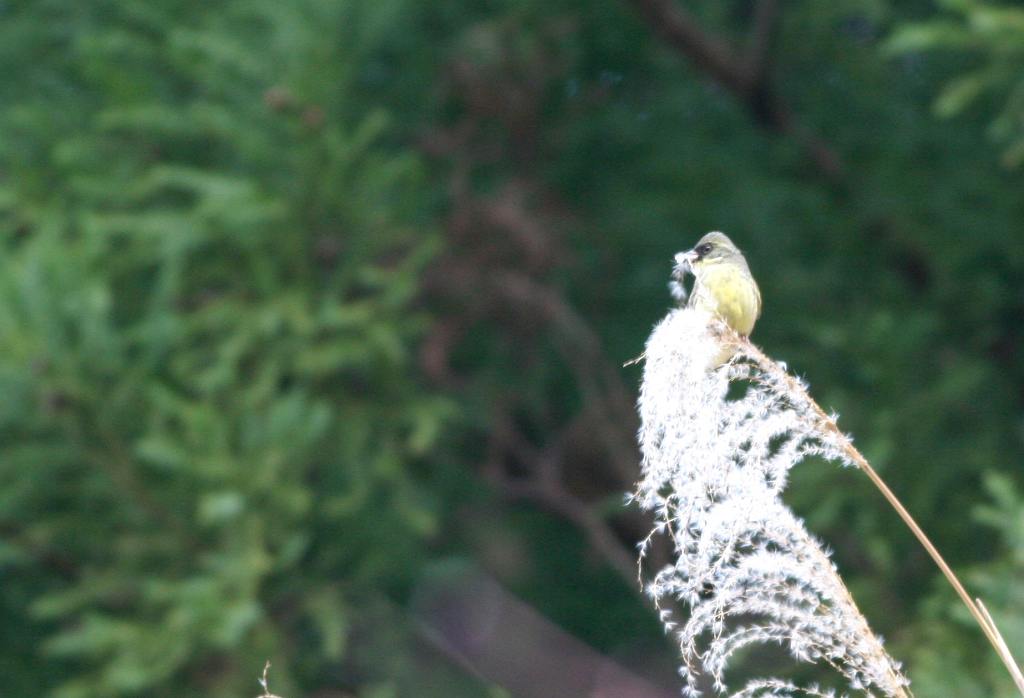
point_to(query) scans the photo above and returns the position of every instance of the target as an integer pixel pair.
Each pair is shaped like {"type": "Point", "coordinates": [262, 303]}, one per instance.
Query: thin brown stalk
{"type": "Point", "coordinates": [264, 682]}
{"type": "Point", "coordinates": [1002, 648]}
{"type": "Point", "coordinates": [976, 608]}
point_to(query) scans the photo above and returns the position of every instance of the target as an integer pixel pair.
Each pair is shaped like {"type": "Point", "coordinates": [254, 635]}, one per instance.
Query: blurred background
{"type": "Point", "coordinates": [313, 317]}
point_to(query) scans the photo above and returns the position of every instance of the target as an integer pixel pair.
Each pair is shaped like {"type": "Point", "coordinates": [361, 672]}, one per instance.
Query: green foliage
{"type": "Point", "coordinates": [219, 238]}
{"type": "Point", "coordinates": [945, 665]}
{"type": "Point", "coordinates": [211, 421]}
{"type": "Point", "coordinates": [897, 294]}
{"type": "Point", "coordinates": [993, 37]}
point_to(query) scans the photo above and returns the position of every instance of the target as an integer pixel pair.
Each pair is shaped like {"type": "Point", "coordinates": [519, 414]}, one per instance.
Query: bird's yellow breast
{"type": "Point", "coordinates": [731, 292]}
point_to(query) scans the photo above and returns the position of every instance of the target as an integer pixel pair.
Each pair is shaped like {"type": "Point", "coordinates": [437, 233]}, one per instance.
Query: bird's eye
{"type": "Point", "coordinates": [703, 249]}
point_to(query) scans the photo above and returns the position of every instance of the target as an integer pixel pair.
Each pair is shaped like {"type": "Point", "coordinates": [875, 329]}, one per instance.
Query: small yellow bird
{"type": "Point", "coordinates": [723, 284]}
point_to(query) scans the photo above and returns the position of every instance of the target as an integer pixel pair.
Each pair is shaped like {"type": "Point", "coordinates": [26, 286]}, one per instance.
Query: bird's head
{"type": "Point", "coordinates": [712, 248]}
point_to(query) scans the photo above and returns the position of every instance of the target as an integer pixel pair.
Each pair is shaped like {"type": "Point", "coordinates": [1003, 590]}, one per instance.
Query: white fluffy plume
{"type": "Point", "coordinates": [718, 442]}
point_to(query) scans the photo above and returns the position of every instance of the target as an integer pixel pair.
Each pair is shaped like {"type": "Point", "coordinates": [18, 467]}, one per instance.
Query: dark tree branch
{"type": "Point", "coordinates": [501, 247]}
{"type": "Point", "coordinates": [681, 31]}
{"type": "Point", "coordinates": [746, 76]}
{"type": "Point", "coordinates": [542, 485]}
{"type": "Point", "coordinates": [762, 30]}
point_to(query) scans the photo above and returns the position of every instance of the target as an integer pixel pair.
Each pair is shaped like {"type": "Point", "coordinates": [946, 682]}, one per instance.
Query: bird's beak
{"type": "Point", "coordinates": [684, 263]}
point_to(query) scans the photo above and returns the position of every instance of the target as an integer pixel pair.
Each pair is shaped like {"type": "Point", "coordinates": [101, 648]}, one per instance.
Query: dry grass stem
{"type": "Point", "coordinates": [828, 422]}
{"type": "Point", "coordinates": [719, 436]}
{"type": "Point", "coordinates": [264, 682]}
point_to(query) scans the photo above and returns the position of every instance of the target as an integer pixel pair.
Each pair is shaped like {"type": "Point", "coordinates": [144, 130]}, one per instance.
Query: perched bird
{"type": "Point", "coordinates": [722, 285]}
